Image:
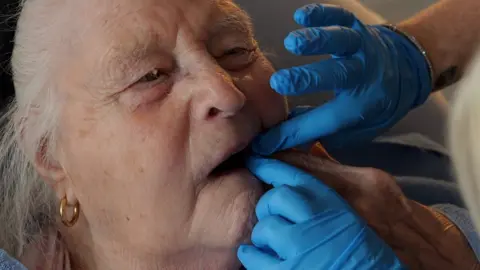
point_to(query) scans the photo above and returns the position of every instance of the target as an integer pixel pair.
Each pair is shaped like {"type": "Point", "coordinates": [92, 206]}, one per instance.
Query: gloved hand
{"type": "Point", "coordinates": [303, 224]}
{"type": "Point", "coordinates": [421, 236]}
{"type": "Point", "coordinates": [377, 75]}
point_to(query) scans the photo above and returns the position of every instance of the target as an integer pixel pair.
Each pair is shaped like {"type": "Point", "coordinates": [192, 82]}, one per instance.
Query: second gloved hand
{"type": "Point", "coordinates": [303, 224]}
{"type": "Point", "coordinates": [377, 75]}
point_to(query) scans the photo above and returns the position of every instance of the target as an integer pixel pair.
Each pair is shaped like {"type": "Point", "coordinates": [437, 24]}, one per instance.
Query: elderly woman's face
{"type": "Point", "coordinates": [157, 93]}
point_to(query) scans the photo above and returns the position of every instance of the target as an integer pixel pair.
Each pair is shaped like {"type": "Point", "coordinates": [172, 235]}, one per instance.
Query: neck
{"type": "Point", "coordinates": [99, 253]}
{"type": "Point", "coordinates": [123, 259]}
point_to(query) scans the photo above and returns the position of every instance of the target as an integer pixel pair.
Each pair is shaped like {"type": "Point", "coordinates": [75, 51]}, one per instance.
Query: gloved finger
{"type": "Point", "coordinates": [299, 110]}
{"type": "Point", "coordinates": [318, 15]}
{"type": "Point", "coordinates": [339, 41]}
{"type": "Point", "coordinates": [266, 235]}
{"type": "Point", "coordinates": [330, 74]}
{"type": "Point", "coordinates": [352, 135]}
{"type": "Point", "coordinates": [325, 120]}
{"type": "Point", "coordinates": [356, 134]}
{"type": "Point", "coordinates": [278, 173]}
{"type": "Point", "coordinates": [253, 258]}
{"type": "Point", "coordinates": [287, 202]}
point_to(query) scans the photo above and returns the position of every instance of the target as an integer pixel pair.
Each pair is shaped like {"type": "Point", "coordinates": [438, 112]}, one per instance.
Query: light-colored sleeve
{"type": "Point", "coordinates": [462, 220]}
{"type": "Point", "coordinates": [8, 263]}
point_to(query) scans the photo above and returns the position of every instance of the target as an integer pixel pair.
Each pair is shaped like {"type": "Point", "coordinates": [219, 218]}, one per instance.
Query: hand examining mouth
{"type": "Point", "coordinates": [419, 235]}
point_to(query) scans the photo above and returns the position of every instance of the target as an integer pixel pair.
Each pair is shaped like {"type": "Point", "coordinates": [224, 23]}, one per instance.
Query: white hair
{"type": "Point", "coordinates": [464, 135]}
{"type": "Point", "coordinates": [464, 138]}
{"type": "Point", "coordinates": [27, 203]}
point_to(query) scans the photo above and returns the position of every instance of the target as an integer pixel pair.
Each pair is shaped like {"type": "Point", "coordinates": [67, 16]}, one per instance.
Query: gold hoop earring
{"type": "Point", "coordinates": [76, 212]}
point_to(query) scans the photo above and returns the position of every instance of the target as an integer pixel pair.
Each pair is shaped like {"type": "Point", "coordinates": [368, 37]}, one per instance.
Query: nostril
{"type": "Point", "coordinates": [213, 112]}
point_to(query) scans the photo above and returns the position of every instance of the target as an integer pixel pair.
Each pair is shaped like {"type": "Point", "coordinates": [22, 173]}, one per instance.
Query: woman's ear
{"type": "Point", "coordinates": [51, 170]}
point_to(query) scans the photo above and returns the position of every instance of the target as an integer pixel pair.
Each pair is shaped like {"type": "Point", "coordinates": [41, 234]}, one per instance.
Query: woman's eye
{"type": "Point", "coordinates": [236, 51]}
{"type": "Point", "coordinates": [156, 76]}
{"type": "Point", "coordinates": [152, 86]}
{"type": "Point", "coordinates": [238, 58]}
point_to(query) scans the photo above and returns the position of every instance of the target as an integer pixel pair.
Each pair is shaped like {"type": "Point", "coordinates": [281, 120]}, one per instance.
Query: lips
{"type": "Point", "coordinates": [232, 159]}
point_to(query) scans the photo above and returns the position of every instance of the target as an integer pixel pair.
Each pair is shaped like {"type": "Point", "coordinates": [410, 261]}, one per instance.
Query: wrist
{"type": "Point", "coordinates": [418, 46]}
{"type": "Point", "coordinates": [413, 61]}
{"type": "Point", "coordinates": [447, 63]}
{"type": "Point", "coordinates": [433, 241]}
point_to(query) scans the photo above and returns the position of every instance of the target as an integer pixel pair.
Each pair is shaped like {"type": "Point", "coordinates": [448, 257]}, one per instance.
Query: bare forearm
{"type": "Point", "coordinates": [450, 33]}
{"type": "Point", "coordinates": [428, 240]}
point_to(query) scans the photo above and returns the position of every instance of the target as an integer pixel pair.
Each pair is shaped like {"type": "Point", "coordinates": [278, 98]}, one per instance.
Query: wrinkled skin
{"type": "Point", "coordinates": [156, 94]}
{"type": "Point", "coordinates": [419, 235]}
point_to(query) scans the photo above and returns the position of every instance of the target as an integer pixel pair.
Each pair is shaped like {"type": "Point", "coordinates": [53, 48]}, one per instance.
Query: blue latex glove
{"type": "Point", "coordinates": [377, 75]}
{"type": "Point", "coordinates": [303, 224]}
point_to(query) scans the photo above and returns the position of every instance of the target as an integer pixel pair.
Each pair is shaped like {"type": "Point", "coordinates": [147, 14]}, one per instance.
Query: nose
{"type": "Point", "coordinates": [218, 95]}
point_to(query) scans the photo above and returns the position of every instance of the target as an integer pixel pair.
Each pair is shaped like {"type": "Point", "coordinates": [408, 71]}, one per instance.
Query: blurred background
{"type": "Point", "coordinates": [397, 10]}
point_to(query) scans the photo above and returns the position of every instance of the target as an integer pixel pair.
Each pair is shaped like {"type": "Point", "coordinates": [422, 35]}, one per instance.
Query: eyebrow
{"type": "Point", "coordinates": [119, 61]}
{"type": "Point", "coordinates": [236, 20]}
{"type": "Point", "coordinates": [115, 68]}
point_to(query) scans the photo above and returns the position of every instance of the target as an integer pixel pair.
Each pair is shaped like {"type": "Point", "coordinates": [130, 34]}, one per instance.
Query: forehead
{"type": "Point", "coordinates": [162, 17]}
{"type": "Point", "coordinates": [107, 31]}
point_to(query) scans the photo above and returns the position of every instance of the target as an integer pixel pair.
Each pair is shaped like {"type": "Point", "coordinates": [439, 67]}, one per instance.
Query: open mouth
{"type": "Point", "coordinates": [234, 162]}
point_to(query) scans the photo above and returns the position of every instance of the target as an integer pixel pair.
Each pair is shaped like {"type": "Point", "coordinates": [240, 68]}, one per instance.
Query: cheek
{"type": "Point", "coordinates": [271, 106]}
{"type": "Point", "coordinates": [120, 154]}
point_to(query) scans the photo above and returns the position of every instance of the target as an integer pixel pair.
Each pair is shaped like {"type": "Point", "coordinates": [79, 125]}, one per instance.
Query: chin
{"type": "Point", "coordinates": [248, 190]}
{"type": "Point", "coordinates": [231, 198]}
{"type": "Point", "coordinates": [243, 206]}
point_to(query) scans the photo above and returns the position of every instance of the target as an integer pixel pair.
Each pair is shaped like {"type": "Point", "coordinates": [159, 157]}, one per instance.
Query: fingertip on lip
{"type": "Point", "coordinates": [258, 149]}
{"type": "Point", "coordinates": [250, 160]}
